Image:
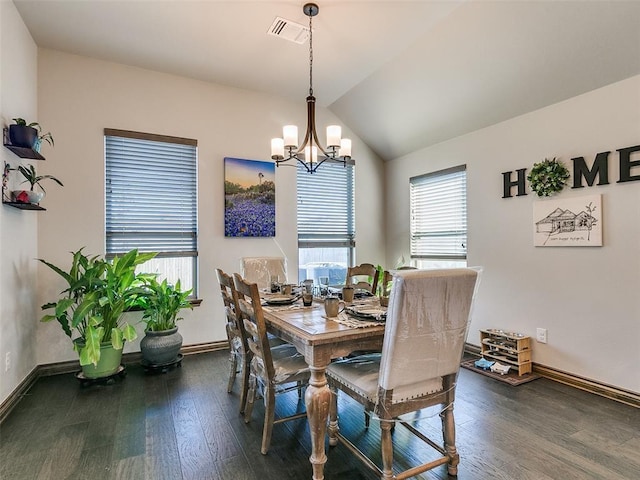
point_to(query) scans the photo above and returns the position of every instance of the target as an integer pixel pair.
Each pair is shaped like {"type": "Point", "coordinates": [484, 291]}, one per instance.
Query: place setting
{"type": "Point", "coordinates": [356, 315]}
{"type": "Point", "coordinates": [288, 297]}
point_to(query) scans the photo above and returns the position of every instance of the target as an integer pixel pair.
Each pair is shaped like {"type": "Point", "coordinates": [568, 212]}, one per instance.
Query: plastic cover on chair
{"type": "Point", "coordinates": [260, 270]}
{"type": "Point", "coordinates": [427, 321]}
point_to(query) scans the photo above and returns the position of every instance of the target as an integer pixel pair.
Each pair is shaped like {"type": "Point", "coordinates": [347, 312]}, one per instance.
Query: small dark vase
{"type": "Point", "coordinates": [160, 348]}
{"type": "Point", "coordinates": [22, 136]}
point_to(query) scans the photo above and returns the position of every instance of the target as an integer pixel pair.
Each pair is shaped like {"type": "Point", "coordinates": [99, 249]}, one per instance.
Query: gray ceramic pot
{"type": "Point", "coordinates": [161, 348]}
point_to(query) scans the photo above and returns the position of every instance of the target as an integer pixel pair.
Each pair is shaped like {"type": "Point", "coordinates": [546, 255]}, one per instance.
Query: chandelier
{"type": "Point", "coordinates": [310, 153]}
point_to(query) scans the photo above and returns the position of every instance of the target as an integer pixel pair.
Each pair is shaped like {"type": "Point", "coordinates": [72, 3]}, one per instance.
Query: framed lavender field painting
{"type": "Point", "coordinates": [249, 198]}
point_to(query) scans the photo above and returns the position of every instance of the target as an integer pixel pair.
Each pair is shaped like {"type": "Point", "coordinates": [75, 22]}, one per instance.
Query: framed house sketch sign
{"type": "Point", "coordinates": [249, 198]}
{"type": "Point", "coordinates": [568, 222]}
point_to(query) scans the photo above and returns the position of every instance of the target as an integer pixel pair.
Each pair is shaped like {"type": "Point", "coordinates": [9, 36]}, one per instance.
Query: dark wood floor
{"type": "Point", "coordinates": [183, 425]}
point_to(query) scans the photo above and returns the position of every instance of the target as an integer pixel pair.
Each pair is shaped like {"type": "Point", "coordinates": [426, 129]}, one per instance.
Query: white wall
{"type": "Point", "coordinates": [18, 228]}
{"type": "Point", "coordinates": [79, 97]}
{"type": "Point", "coordinates": [585, 296]}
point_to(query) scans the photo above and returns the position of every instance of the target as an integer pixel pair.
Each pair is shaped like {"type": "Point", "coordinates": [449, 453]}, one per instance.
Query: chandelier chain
{"type": "Point", "coordinates": [310, 54]}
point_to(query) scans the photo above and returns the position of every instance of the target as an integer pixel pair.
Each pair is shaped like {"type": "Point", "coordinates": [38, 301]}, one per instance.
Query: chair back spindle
{"type": "Point", "coordinates": [254, 324]}
{"type": "Point", "coordinates": [355, 274]}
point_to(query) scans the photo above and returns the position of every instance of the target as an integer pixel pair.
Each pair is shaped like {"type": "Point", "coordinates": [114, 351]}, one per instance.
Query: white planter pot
{"type": "Point", "coordinates": [34, 197]}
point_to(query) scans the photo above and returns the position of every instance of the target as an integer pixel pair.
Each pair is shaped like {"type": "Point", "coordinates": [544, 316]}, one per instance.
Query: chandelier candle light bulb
{"type": "Point", "coordinates": [345, 148]}
{"type": "Point", "coordinates": [277, 148]}
{"type": "Point", "coordinates": [314, 154]}
{"type": "Point", "coordinates": [290, 134]}
{"type": "Point", "coordinates": [334, 132]}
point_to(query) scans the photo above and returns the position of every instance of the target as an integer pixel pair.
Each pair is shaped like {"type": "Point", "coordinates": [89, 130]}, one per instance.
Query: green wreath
{"type": "Point", "coordinates": [548, 177]}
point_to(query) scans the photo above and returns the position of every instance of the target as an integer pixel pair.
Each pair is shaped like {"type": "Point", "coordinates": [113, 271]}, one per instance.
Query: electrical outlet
{"type": "Point", "coordinates": [7, 361]}
{"type": "Point", "coordinates": [541, 335]}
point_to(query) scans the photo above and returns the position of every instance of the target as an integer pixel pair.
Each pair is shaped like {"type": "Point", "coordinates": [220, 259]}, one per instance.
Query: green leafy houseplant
{"type": "Point", "coordinates": [99, 291]}
{"type": "Point", "coordinates": [548, 177]}
{"type": "Point", "coordinates": [161, 303]}
{"type": "Point", "coordinates": [30, 175]}
{"type": "Point", "coordinates": [41, 137]}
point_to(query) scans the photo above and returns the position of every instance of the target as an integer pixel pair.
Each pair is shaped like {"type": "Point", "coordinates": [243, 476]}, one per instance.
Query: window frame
{"type": "Point", "coordinates": [313, 234]}
{"type": "Point", "coordinates": [190, 233]}
{"type": "Point", "coordinates": [454, 205]}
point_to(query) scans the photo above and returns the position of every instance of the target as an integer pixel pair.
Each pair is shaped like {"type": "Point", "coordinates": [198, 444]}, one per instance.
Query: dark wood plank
{"type": "Point", "coordinates": [64, 455]}
{"type": "Point", "coordinates": [128, 468]}
{"type": "Point", "coordinates": [195, 457]}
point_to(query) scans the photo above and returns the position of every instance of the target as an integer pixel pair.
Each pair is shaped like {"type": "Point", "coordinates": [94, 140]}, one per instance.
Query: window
{"type": "Point", "coordinates": [151, 201]}
{"type": "Point", "coordinates": [439, 218]}
{"type": "Point", "coordinates": [326, 224]}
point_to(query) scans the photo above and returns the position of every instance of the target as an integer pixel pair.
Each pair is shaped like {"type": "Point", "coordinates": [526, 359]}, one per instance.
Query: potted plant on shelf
{"type": "Point", "coordinates": [90, 310]}
{"type": "Point", "coordinates": [161, 303]}
{"type": "Point", "coordinates": [31, 177]}
{"type": "Point", "coordinates": [28, 135]}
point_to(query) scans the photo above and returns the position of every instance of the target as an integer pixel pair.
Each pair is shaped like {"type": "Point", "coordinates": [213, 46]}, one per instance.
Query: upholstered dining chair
{"type": "Point", "coordinates": [272, 367]}
{"type": "Point", "coordinates": [355, 274]}
{"type": "Point", "coordinates": [238, 350]}
{"type": "Point", "coordinates": [425, 331]}
{"type": "Point", "coordinates": [260, 270]}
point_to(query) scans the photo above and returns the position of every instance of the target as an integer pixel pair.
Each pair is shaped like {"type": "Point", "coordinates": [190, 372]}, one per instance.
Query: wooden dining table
{"type": "Point", "coordinates": [320, 340]}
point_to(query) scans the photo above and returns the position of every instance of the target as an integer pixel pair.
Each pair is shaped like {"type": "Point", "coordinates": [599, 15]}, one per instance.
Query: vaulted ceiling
{"type": "Point", "coordinates": [402, 74]}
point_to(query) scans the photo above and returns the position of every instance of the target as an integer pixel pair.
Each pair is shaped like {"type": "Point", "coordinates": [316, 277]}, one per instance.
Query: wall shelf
{"type": "Point", "coordinates": [22, 152]}
{"type": "Point", "coordinates": [24, 206]}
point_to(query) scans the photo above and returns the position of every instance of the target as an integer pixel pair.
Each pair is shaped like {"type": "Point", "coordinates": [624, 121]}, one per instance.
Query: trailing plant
{"type": "Point", "coordinates": [548, 177]}
{"type": "Point", "coordinates": [29, 173]}
{"type": "Point", "coordinates": [99, 291]}
{"type": "Point", "coordinates": [161, 303]}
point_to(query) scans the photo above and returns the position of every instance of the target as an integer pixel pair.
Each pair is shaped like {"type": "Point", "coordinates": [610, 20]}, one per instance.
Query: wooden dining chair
{"type": "Point", "coordinates": [260, 270]}
{"type": "Point", "coordinates": [273, 368]}
{"type": "Point", "coordinates": [238, 350]}
{"type": "Point", "coordinates": [355, 277]}
{"type": "Point", "coordinates": [387, 280]}
{"type": "Point", "coordinates": [425, 332]}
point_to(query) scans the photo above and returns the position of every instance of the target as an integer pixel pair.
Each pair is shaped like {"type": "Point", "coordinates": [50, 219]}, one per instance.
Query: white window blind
{"type": "Point", "coordinates": [439, 214]}
{"type": "Point", "coordinates": [151, 195]}
{"type": "Point", "coordinates": [326, 206]}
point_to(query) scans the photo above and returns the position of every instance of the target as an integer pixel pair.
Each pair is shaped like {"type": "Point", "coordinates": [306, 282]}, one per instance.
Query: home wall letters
{"type": "Point", "coordinates": [581, 170]}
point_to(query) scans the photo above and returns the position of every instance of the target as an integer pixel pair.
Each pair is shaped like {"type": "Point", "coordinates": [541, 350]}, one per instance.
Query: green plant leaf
{"type": "Point", "coordinates": [116, 338]}
{"type": "Point", "coordinates": [129, 333]}
{"type": "Point", "coordinates": [59, 271]}
{"type": "Point", "coordinates": [84, 309]}
{"type": "Point", "coordinates": [63, 305]}
{"type": "Point", "coordinates": [90, 354]}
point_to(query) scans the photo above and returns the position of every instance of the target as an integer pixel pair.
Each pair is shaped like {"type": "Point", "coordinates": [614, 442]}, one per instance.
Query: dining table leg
{"type": "Point", "coordinates": [317, 398]}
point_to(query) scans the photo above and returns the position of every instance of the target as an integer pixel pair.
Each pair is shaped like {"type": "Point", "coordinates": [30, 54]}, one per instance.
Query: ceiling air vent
{"type": "Point", "coordinates": [292, 31]}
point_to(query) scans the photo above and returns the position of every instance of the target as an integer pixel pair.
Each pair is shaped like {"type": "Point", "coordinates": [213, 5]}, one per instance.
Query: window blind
{"type": "Point", "coordinates": [326, 206]}
{"type": "Point", "coordinates": [439, 214]}
{"type": "Point", "coordinates": [151, 194]}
